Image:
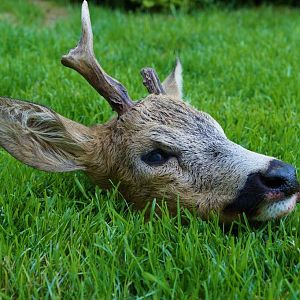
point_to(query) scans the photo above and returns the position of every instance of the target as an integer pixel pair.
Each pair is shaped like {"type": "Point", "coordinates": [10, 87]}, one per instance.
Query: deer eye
{"type": "Point", "coordinates": [156, 157]}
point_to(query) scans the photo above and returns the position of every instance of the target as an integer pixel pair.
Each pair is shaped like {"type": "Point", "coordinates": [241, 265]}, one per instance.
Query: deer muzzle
{"type": "Point", "coordinates": [271, 194]}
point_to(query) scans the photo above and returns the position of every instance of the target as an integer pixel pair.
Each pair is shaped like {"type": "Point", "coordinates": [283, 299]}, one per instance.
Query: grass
{"type": "Point", "coordinates": [60, 237]}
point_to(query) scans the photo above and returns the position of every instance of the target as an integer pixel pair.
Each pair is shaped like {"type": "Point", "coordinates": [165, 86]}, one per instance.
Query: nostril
{"type": "Point", "coordinates": [273, 182]}
{"type": "Point", "coordinates": [281, 177]}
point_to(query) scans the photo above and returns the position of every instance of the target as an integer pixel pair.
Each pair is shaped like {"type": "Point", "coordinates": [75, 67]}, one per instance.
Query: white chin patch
{"type": "Point", "coordinates": [277, 209]}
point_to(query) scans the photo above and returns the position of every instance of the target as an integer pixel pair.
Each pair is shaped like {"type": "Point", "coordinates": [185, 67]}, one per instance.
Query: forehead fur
{"type": "Point", "coordinates": [169, 111]}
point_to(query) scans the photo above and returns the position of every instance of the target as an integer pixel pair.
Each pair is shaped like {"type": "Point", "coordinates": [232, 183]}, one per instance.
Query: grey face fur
{"type": "Point", "coordinates": [159, 148]}
{"type": "Point", "coordinates": [203, 168]}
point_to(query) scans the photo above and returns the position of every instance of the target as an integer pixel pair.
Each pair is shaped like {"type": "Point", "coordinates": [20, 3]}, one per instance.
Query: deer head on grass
{"type": "Point", "coordinates": [158, 147]}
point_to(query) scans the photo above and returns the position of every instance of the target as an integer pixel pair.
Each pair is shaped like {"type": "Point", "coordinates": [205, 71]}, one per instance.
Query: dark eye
{"type": "Point", "coordinates": [156, 157]}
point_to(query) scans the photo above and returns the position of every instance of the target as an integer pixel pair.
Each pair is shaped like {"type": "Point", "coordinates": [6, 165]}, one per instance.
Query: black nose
{"type": "Point", "coordinates": [277, 182]}
{"type": "Point", "coordinates": [280, 177]}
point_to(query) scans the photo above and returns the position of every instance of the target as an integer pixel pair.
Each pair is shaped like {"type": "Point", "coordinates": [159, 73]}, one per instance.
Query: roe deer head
{"type": "Point", "coordinates": [159, 147]}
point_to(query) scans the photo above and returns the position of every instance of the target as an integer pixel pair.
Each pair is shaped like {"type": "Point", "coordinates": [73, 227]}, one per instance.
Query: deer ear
{"type": "Point", "coordinates": [173, 83]}
{"type": "Point", "coordinates": [41, 138]}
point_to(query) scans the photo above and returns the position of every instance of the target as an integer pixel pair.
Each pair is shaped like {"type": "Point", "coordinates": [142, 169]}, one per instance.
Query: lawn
{"type": "Point", "coordinates": [61, 237]}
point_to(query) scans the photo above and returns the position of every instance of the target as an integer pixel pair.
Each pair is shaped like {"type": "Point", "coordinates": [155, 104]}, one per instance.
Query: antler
{"type": "Point", "coordinates": [82, 59]}
{"type": "Point", "coordinates": [152, 82]}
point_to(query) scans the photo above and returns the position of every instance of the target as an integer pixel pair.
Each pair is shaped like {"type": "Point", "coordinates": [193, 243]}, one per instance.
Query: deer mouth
{"type": "Point", "coordinates": [276, 206]}
{"type": "Point", "coordinates": [268, 195]}
{"type": "Point", "coordinates": [272, 206]}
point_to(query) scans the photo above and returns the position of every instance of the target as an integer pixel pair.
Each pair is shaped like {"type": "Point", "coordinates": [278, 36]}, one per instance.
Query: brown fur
{"type": "Point", "coordinates": [112, 152]}
{"type": "Point", "coordinates": [203, 169]}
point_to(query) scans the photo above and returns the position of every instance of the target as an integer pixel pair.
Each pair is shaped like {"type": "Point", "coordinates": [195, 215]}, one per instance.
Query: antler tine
{"type": "Point", "coordinates": [82, 59]}
{"type": "Point", "coordinates": [152, 82]}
